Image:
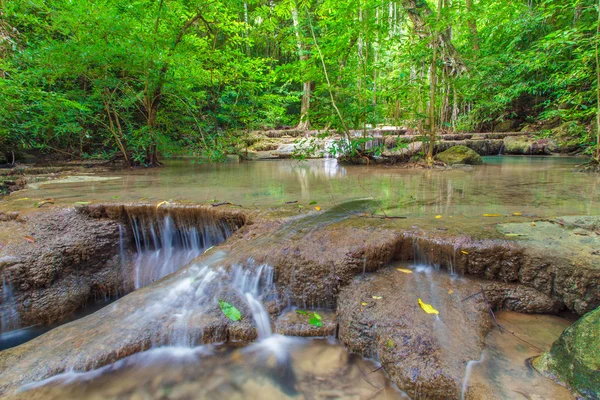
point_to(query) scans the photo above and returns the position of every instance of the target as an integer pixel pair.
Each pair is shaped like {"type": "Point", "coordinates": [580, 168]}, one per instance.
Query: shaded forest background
{"type": "Point", "coordinates": [144, 79]}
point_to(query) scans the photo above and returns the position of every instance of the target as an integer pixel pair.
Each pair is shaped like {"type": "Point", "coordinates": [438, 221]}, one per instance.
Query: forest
{"type": "Point", "coordinates": [147, 79]}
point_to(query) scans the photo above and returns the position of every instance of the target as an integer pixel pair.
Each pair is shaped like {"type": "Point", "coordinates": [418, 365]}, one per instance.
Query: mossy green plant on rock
{"type": "Point", "coordinates": [459, 155]}
{"type": "Point", "coordinates": [574, 359]}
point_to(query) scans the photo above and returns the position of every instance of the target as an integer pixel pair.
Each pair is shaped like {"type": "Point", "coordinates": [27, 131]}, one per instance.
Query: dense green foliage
{"type": "Point", "coordinates": [148, 78]}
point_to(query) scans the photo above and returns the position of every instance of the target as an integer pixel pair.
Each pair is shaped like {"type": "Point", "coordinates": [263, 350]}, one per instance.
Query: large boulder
{"type": "Point", "coordinates": [517, 145]}
{"type": "Point", "coordinates": [508, 125]}
{"type": "Point", "coordinates": [574, 359]}
{"type": "Point", "coordinates": [459, 155]}
{"type": "Point", "coordinates": [521, 145]}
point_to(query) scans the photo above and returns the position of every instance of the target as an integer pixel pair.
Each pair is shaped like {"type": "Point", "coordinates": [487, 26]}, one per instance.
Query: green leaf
{"type": "Point", "coordinates": [312, 203]}
{"type": "Point", "coordinates": [317, 316]}
{"type": "Point", "coordinates": [315, 321]}
{"type": "Point", "coordinates": [302, 312]}
{"type": "Point", "coordinates": [230, 311]}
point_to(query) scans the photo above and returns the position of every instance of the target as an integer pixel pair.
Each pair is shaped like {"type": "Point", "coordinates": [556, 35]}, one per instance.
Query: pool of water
{"type": "Point", "coordinates": [294, 368]}
{"type": "Point", "coordinates": [544, 186]}
{"type": "Point", "coordinates": [278, 368]}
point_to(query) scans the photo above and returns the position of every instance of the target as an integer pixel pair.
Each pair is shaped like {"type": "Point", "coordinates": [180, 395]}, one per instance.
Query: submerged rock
{"type": "Point", "coordinates": [574, 359]}
{"type": "Point", "coordinates": [459, 155]}
{"type": "Point", "coordinates": [425, 354]}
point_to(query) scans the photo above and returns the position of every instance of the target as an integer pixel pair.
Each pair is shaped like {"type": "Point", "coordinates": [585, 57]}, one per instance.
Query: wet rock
{"type": "Point", "coordinates": [426, 355]}
{"type": "Point", "coordinates": [180, 309]}
{"type": "Point", "coordinates": [519, 298]}
{"type": "Point", "coordinates": [574, 359]}
{"type": "Point", "coordinates": [459, 155]}
{"type": "Point", "coordinates": [558, 259]}
{"type": "Point", "coordinates": [294, 324]}
{"type": "Point", "coordinates": [60, 261]}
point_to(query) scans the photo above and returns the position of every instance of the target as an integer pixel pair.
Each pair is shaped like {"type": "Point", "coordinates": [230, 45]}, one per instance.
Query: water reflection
{"type": "Point", "coordinates": [543, 186]}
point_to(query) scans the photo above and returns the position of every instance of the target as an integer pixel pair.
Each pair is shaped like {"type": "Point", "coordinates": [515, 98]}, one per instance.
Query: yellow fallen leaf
{"type": "Point", "coordinates": [450, 291]}
{"type": "Point", "coordinates": [377, 297]}
{"type": "Point", "coordinates": [318, 208]}
{"type": "Point", "coordinates": [491, 215]}
{"type": "Point", "coordinates": [517, 214]}
{"type": "Point", "coordinates": [464, 252]}
{"type": "Point", "coordinates": [364, 303]}
{"type": "Point", "coordinates": [406, 271]}
{"type": "Point", "coordinates": [438, 217]}
{"type": "Point", "coordinates": [533, 224]}
{"type": "Point", "coordinates": [22, 199]}
{"type": "Point", "coordinates": [161, 203]}
{"type": "Point", "coordinates": [428, 308]}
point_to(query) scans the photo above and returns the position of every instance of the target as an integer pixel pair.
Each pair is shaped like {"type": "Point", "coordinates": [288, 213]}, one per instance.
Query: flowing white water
{"type": "Point", "coordinates": [10, 314]}
{"type": "Point", "coordinates": [253, 285]}
{"type": "Point", "coordinates": [468, 372]}
{"type": "Point", "coordinates": [163, 247]}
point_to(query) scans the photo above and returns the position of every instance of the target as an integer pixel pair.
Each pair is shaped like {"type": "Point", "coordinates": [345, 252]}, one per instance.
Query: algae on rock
{"type": "Point", "coordinates": [574, 359]}
{"type": "Point", "coordinates": [459, 155]}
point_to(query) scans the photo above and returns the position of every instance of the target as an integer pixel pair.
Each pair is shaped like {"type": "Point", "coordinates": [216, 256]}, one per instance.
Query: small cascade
{"type": "Point", "coordinates": [501, 148]}
{"type": "Point", "coordinates": [10, 314]}
{"type": "Point", "coordinates": [254, 285]}
{"type": "Point", "coordinates": [164, 246]}
{"type": "Point", "coordinates": [197, 295]}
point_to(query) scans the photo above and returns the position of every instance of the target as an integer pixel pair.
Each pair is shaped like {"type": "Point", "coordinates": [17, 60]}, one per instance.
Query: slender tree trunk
{"type": "Point", "coordinates": [246, 26]}
{"type": "Point", "coordinates": [472, 22]}
{"type": "Point", "coordinates": [433, 82]}
{"type": "Point", "coordinates": [333, 103]}
{"type": "Point", "coordinates": [304, 122]}
{"type": "Point", "coordinates": [597, 152]}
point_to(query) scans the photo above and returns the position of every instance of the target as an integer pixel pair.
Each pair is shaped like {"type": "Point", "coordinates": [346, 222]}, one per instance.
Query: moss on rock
{"type": "Point", "coordinates": [574, 359]}
{"type": "Point", "coordinates": [517, 144]}
{"type": "Point", "coordinates": [459, 155]}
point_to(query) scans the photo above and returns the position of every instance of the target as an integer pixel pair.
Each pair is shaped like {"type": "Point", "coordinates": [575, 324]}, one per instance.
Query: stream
{"type": "Point", "coordinates": [276, 366]}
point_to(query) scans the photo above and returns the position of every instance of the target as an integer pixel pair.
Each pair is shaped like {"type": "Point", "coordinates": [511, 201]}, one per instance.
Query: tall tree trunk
{"type": "Point", "coordinates": [246, 27]}
{"type": "Point", "coordinates": [597, 152]}
{"type": "Point", "coordinates": [472, 22]}
{"type": "Point", "coordinates": [304, 122]}
{"type": "Point", "coordinates": [433, 82]}
{"type": "Point", "coordinates": [329, 88]}
{"type": "Point", "coordinates": [153, 90]}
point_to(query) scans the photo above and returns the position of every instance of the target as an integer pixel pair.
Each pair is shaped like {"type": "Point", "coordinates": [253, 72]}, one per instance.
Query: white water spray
{"type": "Point", "coordinates": [10, 314]}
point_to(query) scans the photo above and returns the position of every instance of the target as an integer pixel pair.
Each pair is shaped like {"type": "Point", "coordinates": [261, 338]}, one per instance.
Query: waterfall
{"type": "Point", "coordinates": [164, 247]}
{"type": "Point", "coordinates": [10, 314]}
{"type": "Point", "coordinates": [253, 286]}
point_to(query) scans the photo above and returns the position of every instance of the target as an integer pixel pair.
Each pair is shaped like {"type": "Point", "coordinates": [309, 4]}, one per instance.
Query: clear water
{"type": "Point", "coordinates": [313, 369]}
{"type": "Point", "coordinates": [278, 368]}
{"type": "Point", "coordinates": [544, 186]}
